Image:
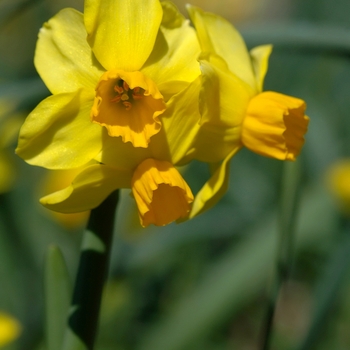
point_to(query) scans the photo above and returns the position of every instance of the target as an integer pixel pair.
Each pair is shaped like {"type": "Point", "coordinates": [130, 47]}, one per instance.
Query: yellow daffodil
{"type": "Point", "coordinates": [112, 72]}
{"type": "Point", "coordinates": [117, 105]}
{"type": "Point", "coordinates": [235, 112]}
{"type": "Point", "coordinates": [125, 107]}
{"type": "Point", "coordinates": [160, 192]}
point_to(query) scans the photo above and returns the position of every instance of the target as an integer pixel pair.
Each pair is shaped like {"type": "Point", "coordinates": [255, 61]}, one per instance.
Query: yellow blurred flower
{"type": "Point", "coordinates": [338, 181]}
{"type": "Point", "coordinates": [10, 329]}
{"type": "Point", "coordinates": [10, 123]}
{"type": "Point", "coordinates": [235, 112]}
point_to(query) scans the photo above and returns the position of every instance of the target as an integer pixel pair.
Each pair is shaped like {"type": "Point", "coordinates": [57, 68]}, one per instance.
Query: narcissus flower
{"type": "Point", "coordinates": [235, 112]}
{"type": "Point", "coordinates": [162, 195]}
{"type": "Point", "coordinates": [112, 72]}
{"type": "Point", "coordinates": [121, 75]}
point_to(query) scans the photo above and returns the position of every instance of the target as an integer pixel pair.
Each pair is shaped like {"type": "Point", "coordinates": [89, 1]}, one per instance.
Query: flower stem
{"type": "Point", "coordinates": [287, 220]}
{"type": "Point", "coordinates": [91, 275]}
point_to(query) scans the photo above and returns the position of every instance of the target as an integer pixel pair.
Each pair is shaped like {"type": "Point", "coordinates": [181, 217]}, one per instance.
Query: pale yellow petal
{"type": "Point", "coordinates": [214, 188]}
{"type": "Point", "coordinates": [223, 96]}
{"type": "Point", "coordinates": [181, 123]}
{"type": "Point", "coordinates": [58, 134]}
{"type": "Point", "coordinates": [260, 60]}
{"type": "Point", "coordinates": [55, 180]}
{"type": "Point", "coordinates": [114, 153]}
{"type": "Point", "coordinates": [122, 33]}
{"type": "Point", "coordinates": [176, 50]}
{"type": "Point", "coordinates": [88, 189]}
{"type": "Point", "coordinates": [223, 102]}
{"type": "Point", "coordinates": [217, 35]}
{"type": "Point", "coordinates": [63, 57]}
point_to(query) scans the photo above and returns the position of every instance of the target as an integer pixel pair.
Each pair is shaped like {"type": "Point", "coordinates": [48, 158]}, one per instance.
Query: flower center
{"type": "Point", "coordinates": [128, 104]}
{"type": "Point", "coordinates": [125, 95]}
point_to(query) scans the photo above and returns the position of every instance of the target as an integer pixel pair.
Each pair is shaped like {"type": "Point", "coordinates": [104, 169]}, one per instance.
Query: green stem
{"type": "Point", "coordinates": [285, 252]}
{"type": "Point", "coordinates": [92, 272]}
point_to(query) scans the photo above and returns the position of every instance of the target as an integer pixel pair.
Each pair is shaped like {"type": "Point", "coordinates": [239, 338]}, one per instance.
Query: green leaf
{"type": "Point", "coordinates": [57, 297]}
{"type": "Point", "coordinates": [72, 341]}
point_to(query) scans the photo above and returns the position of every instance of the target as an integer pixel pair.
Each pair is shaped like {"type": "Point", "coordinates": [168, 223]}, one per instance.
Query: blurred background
{"type": "Point", "coordinates": [203, 284]}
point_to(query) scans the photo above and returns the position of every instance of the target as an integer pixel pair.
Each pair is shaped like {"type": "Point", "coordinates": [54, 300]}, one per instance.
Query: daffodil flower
{"type": "Point", "coordinates": [235, 112]}
{"type": "Point", "coordinates": [121, 75]}
{"type": "Point", "coordinates": [161, 193]}
{"type": "Point", "coordinates": [111, 72]}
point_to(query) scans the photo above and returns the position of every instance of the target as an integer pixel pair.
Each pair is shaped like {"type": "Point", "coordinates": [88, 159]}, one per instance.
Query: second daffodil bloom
{"type": "Point", "coordinates": [112, 71]}
{"type": "Point", "coordinates": [235, 112]}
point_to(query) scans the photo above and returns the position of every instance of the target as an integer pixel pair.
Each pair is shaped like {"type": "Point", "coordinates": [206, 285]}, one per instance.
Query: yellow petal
{"type": "Point", "coordinates": [275, 125]}
{"type": "Point", "coordinates": [63, 57]}
{"type": "Point", "coordinates": [9, 329]}
{"type": "Point", "coordinates": [162, 195]}
{"type": "Point", "coordinates": [181, 123]}
{"type": "Point", "coordinates": [176, 50]}
{"type": "Point", "coordinates": [88, 189]}
{"type": "Point", "coordinates": [214, 188]}
{"type": "Point", "coordinates": [218, 36]}
{"type": "Point", "coordinates": [128, 104]}
{"type": "Point", "coordinates": [122, 33]}
{"type": "Point", "coordinates": [260, 60]}
{"type": "Point", "coordinates": [58, 133]}
{"type": "Point", "coordinates": [54, 181]}
{"type": "Point", "coordinates": [223, 102]}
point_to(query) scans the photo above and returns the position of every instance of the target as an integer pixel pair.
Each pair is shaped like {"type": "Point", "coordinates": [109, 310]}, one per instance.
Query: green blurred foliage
{"type": "Point", "coordinates": [202, 284]}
